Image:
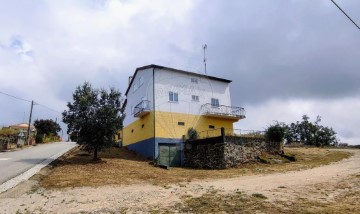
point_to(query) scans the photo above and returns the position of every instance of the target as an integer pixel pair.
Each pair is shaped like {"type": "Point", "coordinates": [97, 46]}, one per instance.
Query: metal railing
{"type": "Point", "coordinates": [222, 110]}
{"type": "Point", "coordinates": [209, 133]}
{"type": "Point", "coordinates": [230, 133]}
{"type": "Point", "coordinates": [244, 133]}
{"type": "Point", "coordinates": [143, 106]}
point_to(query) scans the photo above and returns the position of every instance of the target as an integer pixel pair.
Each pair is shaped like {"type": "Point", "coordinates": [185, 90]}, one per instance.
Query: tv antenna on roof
{"type": "Point", "coordinates": [204, 47]}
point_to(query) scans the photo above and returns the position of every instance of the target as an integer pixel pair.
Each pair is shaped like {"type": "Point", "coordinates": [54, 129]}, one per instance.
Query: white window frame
{"type": "Point", "coordinates": [135, 87]}
{"type": "Point", "coordinates": [141, 81]}
{"type": "Point", "coordinates": [195, 98]}
{"type": "Point", "coordinates": [194, 80]}
{"type": "Point", "coordinates": [215, 103]}
{"type": "Point", "coordinates": [172, 96]}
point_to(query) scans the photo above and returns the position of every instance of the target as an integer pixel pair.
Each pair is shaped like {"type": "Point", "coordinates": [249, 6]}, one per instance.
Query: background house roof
{"type": "Point", "coordinates": [23, 126]}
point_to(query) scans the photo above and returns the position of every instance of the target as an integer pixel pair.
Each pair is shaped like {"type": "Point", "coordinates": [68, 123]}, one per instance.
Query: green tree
{"type": "Point", "coordinates": [95, 115]}
{"type": "Point", "coordinates": [48, 127]}
{"type": "Point", "coordinates": [310, 133]}
{"type": "Point", "coordinates": [292, 133]}
{"type": "Point", "coordinates": [325, 137]}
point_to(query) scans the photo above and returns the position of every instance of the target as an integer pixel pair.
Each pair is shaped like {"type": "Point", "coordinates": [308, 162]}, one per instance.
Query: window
{"type": "Point", "coordinates": [214, 102]}
{"type": "Point", "coordinates": [211, 127]}
{"type": "Point", "coordinates": [135, 87]}
{"type": "Point", "coordinates": [195, 98]}
{"type": "Point", "coordinates": [181, 123]}
{"type": "Point", "coordinates": [173, 97]}
{"type": "Point", "coordinates": [194, 80]}
{"type": "Point", "coordinates": [141, 81]}
{"type": "Point", "coordinates": [138, 84]}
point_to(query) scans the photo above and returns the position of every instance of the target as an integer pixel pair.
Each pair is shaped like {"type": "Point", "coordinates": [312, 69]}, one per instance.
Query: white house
{"type": "Point", "coordinates": [163, 103]}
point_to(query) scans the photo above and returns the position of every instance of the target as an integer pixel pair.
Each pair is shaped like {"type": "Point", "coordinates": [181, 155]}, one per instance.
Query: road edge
{"type": "Point", "coordinates": [29, 173]}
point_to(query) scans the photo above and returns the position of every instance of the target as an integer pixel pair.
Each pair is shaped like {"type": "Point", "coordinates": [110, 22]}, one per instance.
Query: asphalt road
{"type": "Point", "coordinates": [15, 163]}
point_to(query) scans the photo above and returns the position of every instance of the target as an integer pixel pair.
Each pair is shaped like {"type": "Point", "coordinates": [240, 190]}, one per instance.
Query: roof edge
{"type": "Point", "coordinates": [172, 69]}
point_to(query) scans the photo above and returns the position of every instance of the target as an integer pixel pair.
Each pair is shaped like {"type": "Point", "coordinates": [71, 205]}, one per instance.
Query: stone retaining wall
{"type": "Point", "coordinates": [209, 156]}
{"type": "Point", "coordinates": [224, 155]}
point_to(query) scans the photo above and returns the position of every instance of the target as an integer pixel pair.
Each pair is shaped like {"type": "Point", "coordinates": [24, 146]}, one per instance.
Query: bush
{"type": "Point", "coordinates": [343, 145]}
{"type": "Point", "coordinates": [192, 134]}
{"type": "Point", "coordinates": [276, 132]}
{"type": "Point", "coordinates": [39, 138]}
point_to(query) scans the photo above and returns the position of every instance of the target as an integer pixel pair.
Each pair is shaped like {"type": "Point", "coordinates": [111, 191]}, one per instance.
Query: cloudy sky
{"type": "Point", "coordinates": [286, 58]}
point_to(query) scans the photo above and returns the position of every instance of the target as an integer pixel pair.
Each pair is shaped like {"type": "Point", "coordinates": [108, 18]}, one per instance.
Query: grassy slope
{"type": "Point", "coordinates": [121, 167]}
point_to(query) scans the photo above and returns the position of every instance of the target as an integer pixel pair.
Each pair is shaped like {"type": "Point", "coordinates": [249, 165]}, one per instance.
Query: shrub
{"type": "Point", "coordinates": [192, 134]}
{"type": "Point", "coordinates": [276, 132]}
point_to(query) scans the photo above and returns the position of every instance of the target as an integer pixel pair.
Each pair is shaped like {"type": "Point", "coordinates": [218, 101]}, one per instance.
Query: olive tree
{"type": "Point", "coordinates": [95, 115]}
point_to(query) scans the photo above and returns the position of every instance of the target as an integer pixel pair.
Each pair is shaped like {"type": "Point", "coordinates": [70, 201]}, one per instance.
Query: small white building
{"type": "Point", "coordinates": [163, 103]}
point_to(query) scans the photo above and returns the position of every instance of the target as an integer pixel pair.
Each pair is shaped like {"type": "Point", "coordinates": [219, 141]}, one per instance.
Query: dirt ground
{"type": "Point", "coordinates": [123, 167]}
{"type": "Point", "coordinates": [324, 184]}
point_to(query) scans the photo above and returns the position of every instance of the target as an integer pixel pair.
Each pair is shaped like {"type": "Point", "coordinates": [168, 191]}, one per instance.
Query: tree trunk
{"type": "Point", "coordinates": [95, 153]}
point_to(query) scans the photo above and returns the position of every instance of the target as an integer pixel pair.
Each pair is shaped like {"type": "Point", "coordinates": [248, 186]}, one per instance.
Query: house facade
{"type": "Point", "coordinates": [22, 128]}
{"type": "Point", "coordinates": [163, 103]}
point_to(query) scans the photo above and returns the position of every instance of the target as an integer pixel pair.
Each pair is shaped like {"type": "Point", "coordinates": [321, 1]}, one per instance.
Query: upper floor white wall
{"type": "Point", "coordinates": [184, 84]}
{"type": "Point", "coordinates": [181, 83]}
{"type": "Point", "coordinates": [141, 89]}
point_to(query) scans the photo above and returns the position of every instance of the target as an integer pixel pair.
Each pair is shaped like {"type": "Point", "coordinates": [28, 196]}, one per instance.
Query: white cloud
{"type": "Point", "coordinates": [64, 43]}
{"type": "Point", "coordinates": [340, 114]}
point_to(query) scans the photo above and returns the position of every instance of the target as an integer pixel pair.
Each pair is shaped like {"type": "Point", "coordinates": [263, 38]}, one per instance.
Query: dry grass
{"type": "Point", "coordinates": [213, 202]}
{"type": "Point", "coordinates": [307, 158]}
{"type": "Point", "coordinates": [121, 167]}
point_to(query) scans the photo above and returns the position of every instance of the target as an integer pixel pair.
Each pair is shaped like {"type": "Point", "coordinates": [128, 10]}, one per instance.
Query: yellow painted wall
{"type": "Point", "coordinates": [139, 133]}
{"type": "Point", "coordinates": [167, 124]}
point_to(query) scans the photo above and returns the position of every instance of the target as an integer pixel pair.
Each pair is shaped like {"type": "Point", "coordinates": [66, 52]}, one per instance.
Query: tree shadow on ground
{"type": "Point", "coordinates": [81, 157]}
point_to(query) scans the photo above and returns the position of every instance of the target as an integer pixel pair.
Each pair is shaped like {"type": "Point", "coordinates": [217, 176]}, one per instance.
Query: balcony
{"type": "Point", "coordinates": [142, 108]}
{"type": "Point", "coordinates": [221, 111]}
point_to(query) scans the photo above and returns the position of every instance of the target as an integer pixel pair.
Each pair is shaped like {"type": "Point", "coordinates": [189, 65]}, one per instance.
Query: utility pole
{"type": "Point", "coordinates": [28, 130]}
{"type": "Point", "coordinates": [204, 47]}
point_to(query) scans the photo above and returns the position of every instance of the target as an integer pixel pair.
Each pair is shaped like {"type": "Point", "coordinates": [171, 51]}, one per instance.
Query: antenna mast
{"type": "Point", "coordinates": [204, 47]}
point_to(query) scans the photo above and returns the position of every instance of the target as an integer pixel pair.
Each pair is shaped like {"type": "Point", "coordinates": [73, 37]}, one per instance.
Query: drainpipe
{"type": "Point", "coordinates": [223, 134]}
{"type": "Point", "coordinates": [154, 113]}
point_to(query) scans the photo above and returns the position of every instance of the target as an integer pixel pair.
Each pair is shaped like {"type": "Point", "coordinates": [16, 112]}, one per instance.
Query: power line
{"type": "Point", "coordinates": [48, 108]}
{"type": "Point", "coordinates": [345, 14]}
{"type": "Point", "coordinates": [35, 103]}
{"type": "Point", "coordinates": [14, 97]}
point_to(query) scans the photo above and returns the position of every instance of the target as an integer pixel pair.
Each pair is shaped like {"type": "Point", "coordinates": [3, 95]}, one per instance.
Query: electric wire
{"type": "Point", "coordinates": [48, 108]}
{"type": "Point", "coordinates": [35, 103]}
{"type": "Point", "coordinates": [345, 14]}
{"type": "Point", "coordinates": [15, 97]}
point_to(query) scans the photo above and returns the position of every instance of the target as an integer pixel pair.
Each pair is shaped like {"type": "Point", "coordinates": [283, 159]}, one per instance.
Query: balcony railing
{"type": "Point", "coordinates": [231, 112]}
{"type": "Point", "coordinates": [142, 108]}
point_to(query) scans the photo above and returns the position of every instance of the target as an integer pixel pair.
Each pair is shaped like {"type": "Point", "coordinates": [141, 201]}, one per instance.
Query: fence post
{"type": "Point", "coordinates": [223, 134]}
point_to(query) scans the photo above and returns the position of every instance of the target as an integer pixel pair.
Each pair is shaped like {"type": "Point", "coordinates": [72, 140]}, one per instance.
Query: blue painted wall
{"type": "Point", "coordinates": [145, 147]}
{"type": "Point", "coordinates": [148, 149]}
